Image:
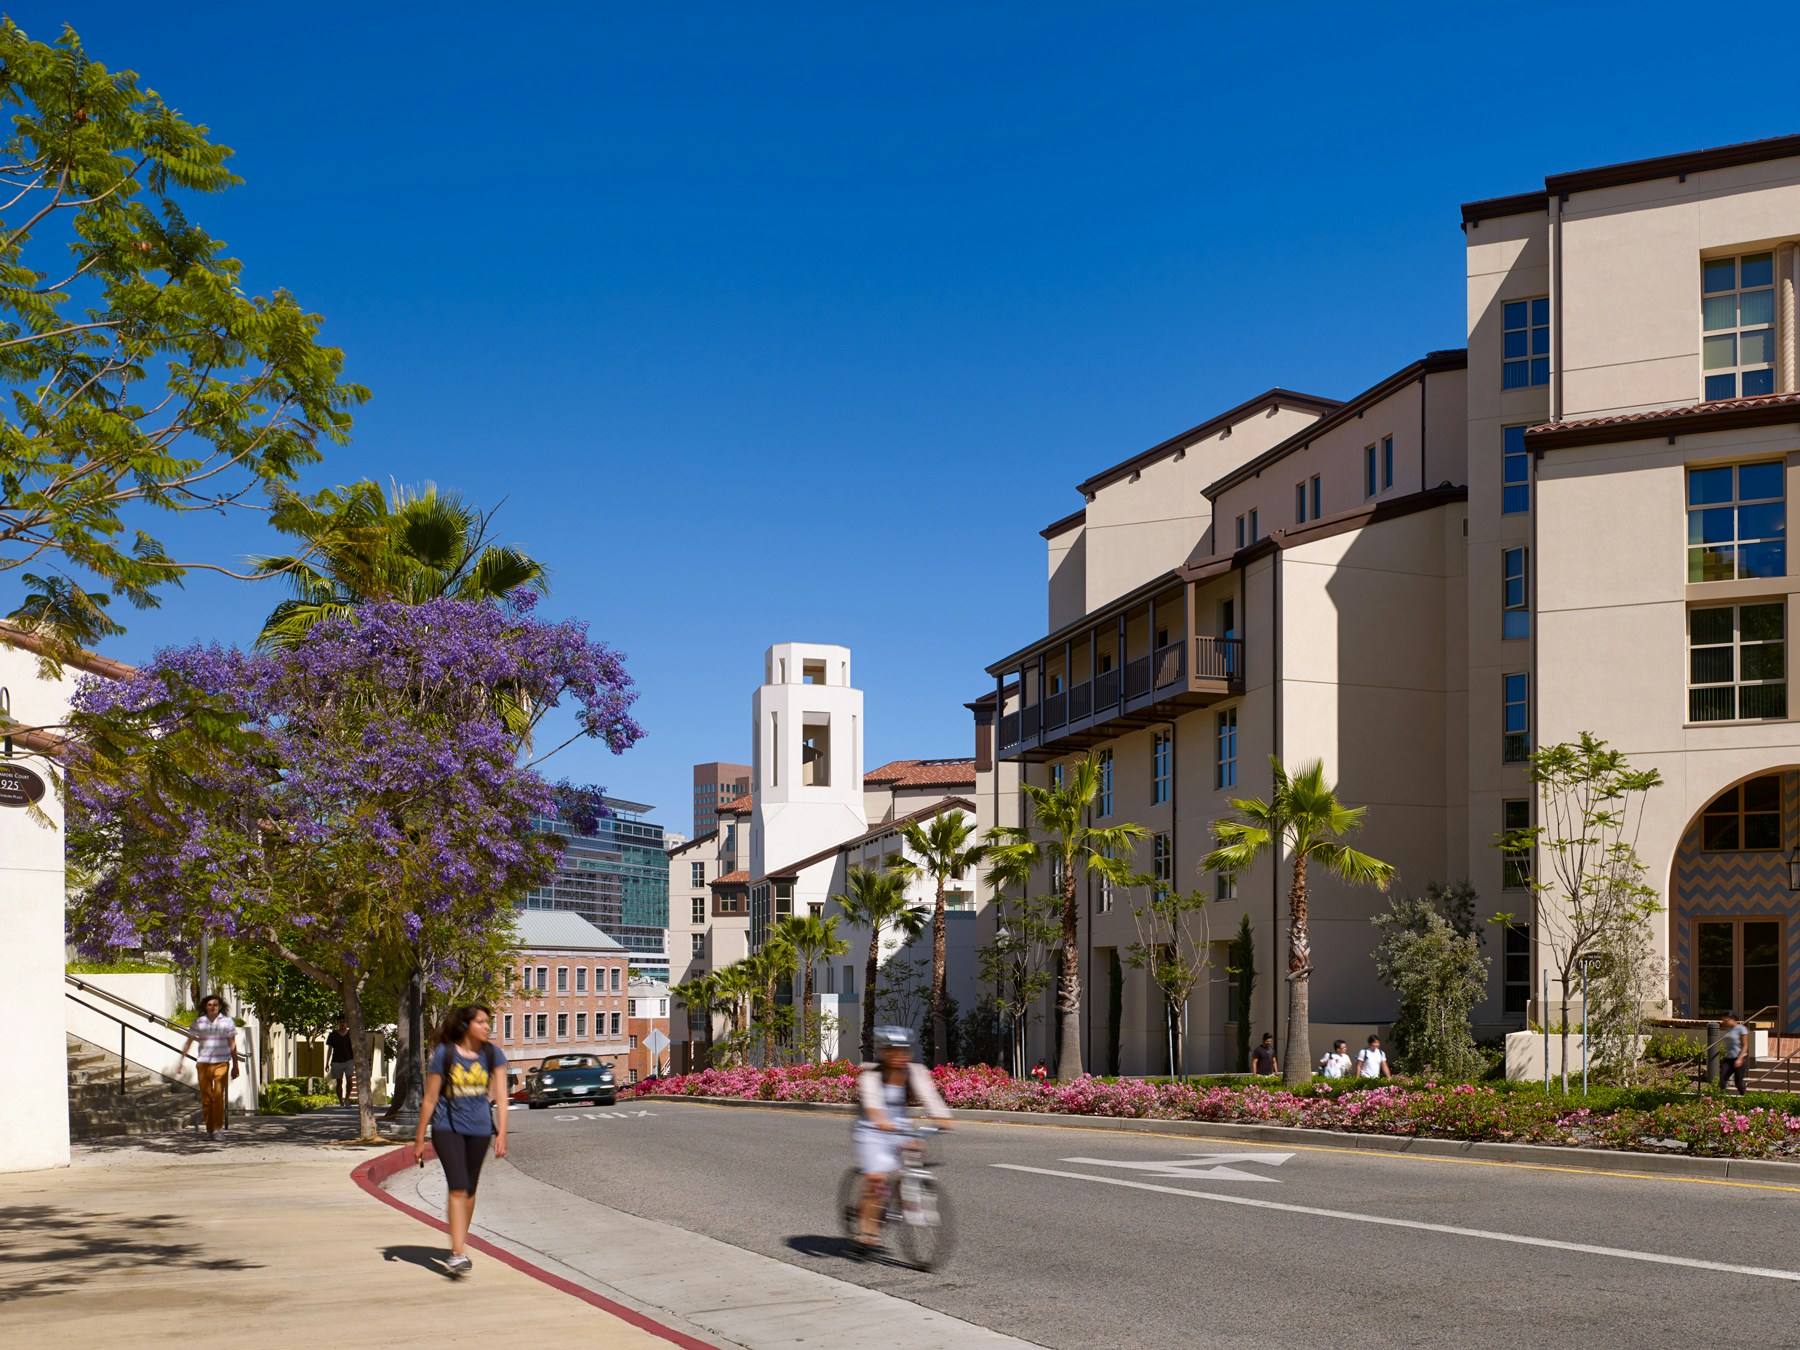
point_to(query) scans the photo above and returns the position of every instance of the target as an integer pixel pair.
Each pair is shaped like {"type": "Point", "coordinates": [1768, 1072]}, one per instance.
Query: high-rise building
{"type": "Point", "coordinates": [617, 878]}
{"type": "Point", "coordinates": [714, 785]}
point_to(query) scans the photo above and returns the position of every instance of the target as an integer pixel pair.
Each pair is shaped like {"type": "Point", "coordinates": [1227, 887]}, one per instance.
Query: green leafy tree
{"type": "Point", "coordinates": [877, 901]}
{"type": "Point", "coordinates": [1017, 964]}
{"type": "Point", "coordinates": [1588, 882]}
{"type": "Point", "coordinates": [139, 377]}
{"type": "Point", "coordinates": [1304, 820]}
{"type": "Point", "coordinates": [1243, 971]}
{"type": "Point", "coordinates": [1440, 975]}
{"type": "Point", "coordinates": [813, 938]}
{"type": "Point", "coordinates": [1056, 837]}
{"type": "Point", "coordinates": [1173, 949]}
{"type": "Point", "coordinates": [944, 852]}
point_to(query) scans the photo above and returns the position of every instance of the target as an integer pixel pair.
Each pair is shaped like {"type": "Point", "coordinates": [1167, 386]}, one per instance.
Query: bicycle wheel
{"type": "Point", "coordinates": [850, 1192]}
{"type": "Point", "coordinates": [926, 1232]}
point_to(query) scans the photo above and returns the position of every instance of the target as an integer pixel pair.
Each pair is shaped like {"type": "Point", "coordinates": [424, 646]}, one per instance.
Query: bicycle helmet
{"type": "Point", "coordinates": [893, 1038]}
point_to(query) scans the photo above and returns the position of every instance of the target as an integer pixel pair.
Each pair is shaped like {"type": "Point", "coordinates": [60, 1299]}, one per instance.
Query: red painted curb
{"type": "Point", "coordinates": [371, 1174]}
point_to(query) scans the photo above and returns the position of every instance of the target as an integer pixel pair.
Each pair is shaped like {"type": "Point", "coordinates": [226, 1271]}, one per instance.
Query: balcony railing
{"type": "Point", "coordinates": [1219, 659]}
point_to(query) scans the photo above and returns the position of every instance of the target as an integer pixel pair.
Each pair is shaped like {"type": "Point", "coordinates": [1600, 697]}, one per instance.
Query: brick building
{"type": "Point", "coordinates": [568, 991]}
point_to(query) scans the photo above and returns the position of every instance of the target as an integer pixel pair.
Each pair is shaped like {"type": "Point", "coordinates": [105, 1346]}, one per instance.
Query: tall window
{"type": "Point", "coordinates": [1160, 744]}
{"type": "Point", "coordinates": [1737, 522]}
{"type": "Point", "coordinates": [1515, 745]}
{"type": "Point", "coordinates": [615, 1023]}
{"type": "Point", "coordinates": [1299, 503]}
{"type": "Point", "coordinates": [1226, 776]}
{"type": "Point", "coordinates": [1369, 482]}
{"type": "Point", "coordinates": [1255, 529]}
{"type": "Point", "coordinates": [1224, 886]}
{"type": "Point", "coordinates": [1744, 819]}
{"type": "Point", "coordinates": [1387, 462]}
{"type": "Point", "coordinates": [1515, 863]}
{"type": "Point", "coordinates": [1058, 776]}
{"type": "Point", "coordinates": [1162, 859]}
{"type": "Point", "coordinates": [1526, 359]}
{"type": "Point", "coordinates": [699, 873]}
{"type": "Point", "coordinates": [562, 979]}
{"type": "Point", "coordinates": [1737, 314]}
{"type": "Point", "coordinates": [698, 943]}
{"type": "Point", "coordinates": [543, 980]}
{"type": "Point", "coordinates": [1106, 886]}
{"type": "Point", "coordinates": [1103, 799]}
{"type": "Point", "coordinates": [581, 973]}
{"type": "Point", "coordinates": [849, 982]}
{"type": "Point", "coordinates": [1317, 497]}
{"type": "Point", "coordinates": [615, 979]}
{"type": "Point", "coordinates": [699, 909]}
{"type": "Point", "coordinates": [562, 1026]}
{"type": "Point", "coordinates": [1516, 993]}
{"type": "Point", "coordinates": [581, 1026]}
{"type": "Point", "coordinates": [1737, 663]}
{"type": "Point", "coordinates": [506, 1027]}
{"type": "Point", "coordinates": [526, 1020]}
{"type": "Point", "coordinates": [1515, 611]}
{"type": "Point", "coordinates": [1240, 531]}
{"type": "Point", "coordinates": [1515, 472]}
{"type": "Point", "coordinates": [543, 1026]}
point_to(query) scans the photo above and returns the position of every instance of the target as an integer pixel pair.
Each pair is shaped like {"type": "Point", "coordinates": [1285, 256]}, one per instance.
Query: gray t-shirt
{"type": "Point", "coordinates": [1731, 1043]}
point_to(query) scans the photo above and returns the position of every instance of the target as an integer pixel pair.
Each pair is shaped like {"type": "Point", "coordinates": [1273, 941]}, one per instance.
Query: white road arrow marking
{"type": "Point", "coordinates": [1198, 1166]}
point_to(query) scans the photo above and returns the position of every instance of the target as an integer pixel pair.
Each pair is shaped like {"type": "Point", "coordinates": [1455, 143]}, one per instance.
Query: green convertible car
{"type": "Point", "coordinates": [570, 1080]}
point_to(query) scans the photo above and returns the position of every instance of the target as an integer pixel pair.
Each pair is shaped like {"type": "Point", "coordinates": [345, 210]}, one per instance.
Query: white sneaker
{"type": "Point", "coordinates": [458, 1265]}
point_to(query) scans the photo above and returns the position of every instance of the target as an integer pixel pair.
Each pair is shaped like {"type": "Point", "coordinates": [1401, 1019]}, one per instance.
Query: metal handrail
{"type": "Point", "coordinates": [124, 1003]}
{"type": "Point", "coordinates": [124, 1027]}
{"type": "Point", "coordinates": [155, 1019]}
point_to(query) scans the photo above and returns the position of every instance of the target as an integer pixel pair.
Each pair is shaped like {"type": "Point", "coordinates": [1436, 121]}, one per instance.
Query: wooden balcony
{"type": "Point", "coordinates": [1186, 674]}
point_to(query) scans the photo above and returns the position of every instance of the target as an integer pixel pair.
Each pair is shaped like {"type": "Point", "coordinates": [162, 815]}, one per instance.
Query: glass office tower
{"type": "Point", "coordinates": [617, 878]}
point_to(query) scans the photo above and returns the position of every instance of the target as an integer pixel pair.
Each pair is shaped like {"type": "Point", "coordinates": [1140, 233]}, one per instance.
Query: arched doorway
{"type": "Point", "coordinates": [1734, 923]}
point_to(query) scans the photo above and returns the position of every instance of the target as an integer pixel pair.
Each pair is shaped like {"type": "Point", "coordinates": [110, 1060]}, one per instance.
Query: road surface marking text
{"type": "Point", "coordinates": [1555, 1244]}
{"type": "Point", "coordinates": [1198, 1166]}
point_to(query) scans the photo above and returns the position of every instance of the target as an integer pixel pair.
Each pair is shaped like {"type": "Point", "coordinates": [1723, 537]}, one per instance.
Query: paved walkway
{"type": "Point", "coordinates": [258, 1239]}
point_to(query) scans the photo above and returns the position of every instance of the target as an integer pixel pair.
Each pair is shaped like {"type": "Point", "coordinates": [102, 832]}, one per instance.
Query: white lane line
{"type": "Point", "coordinates": [1622, 1253]}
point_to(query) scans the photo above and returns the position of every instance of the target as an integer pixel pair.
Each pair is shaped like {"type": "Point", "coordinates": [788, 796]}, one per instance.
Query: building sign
{"type": "Point", "coordinates": [19, 786]}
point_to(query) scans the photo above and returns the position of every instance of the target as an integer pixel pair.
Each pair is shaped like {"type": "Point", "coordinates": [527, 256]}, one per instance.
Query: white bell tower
{"type": "Point", "coordinates": [808, 760]}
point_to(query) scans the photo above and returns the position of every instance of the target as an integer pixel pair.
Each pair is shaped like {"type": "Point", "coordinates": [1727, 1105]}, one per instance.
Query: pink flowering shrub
{"type": "Point", "coordinates": [1707, 1126]}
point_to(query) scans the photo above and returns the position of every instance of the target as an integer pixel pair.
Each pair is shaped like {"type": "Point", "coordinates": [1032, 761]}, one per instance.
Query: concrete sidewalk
{"type": "Point", "coordinates": [258, 1239]}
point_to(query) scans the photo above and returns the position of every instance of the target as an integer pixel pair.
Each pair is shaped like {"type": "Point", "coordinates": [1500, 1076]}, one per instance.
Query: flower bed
{"type": "Point", "coordinates": [1758, 1126]}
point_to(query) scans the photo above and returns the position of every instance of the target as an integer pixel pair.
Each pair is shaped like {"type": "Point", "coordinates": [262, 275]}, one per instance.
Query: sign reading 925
{"type": "Point", "coordinates": [19, 786]}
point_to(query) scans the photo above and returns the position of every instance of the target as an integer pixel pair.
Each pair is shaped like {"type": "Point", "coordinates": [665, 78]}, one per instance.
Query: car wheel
{"type": "Point", "coordinates": [537, 1106]}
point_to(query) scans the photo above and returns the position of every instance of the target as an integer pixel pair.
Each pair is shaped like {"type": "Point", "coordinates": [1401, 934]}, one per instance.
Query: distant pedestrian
{"type": "Point", "coordinates": [1371, 1062]}
{"type": "Point", "coordinates": [217, 1057]}
{"type": "Point", "coordinates": [1733, 1050]}
{"type": "Point", "coordinates": [1335, 1062]}
{"type": "Point", "coordinates": [1040, 1071]}
{"type": "Point", "coordinates": [465, 1105]}
{"type": "Point", "coordinates": [1262, 1059]}
{"type": "Point", "coordinates": [341, 1053]}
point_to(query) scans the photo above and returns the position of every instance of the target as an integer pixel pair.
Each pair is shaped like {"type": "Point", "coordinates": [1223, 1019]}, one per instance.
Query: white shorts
{"type": "Point", "coordinates": [876, 1150]}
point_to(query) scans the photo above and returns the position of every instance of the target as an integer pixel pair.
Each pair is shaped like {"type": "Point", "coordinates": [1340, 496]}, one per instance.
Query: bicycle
{"type": "Point", "coordinates": [912, 1203]}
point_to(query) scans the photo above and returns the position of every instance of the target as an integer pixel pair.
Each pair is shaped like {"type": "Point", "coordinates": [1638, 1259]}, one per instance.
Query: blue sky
{"type": "Point", "coordinates": [797, 322]}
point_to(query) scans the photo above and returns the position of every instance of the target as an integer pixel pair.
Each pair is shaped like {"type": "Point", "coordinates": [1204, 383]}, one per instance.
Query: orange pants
{"type": "Point", "coordinates": [213, 1078]}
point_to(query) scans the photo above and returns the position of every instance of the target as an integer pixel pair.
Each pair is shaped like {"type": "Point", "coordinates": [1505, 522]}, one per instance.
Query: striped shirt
{"type": "Point", "coordinates": [217, 1037]}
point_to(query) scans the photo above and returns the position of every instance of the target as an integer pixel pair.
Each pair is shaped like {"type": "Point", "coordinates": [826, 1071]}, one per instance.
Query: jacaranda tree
{"type": "Point", "coordinates": [355, 804]}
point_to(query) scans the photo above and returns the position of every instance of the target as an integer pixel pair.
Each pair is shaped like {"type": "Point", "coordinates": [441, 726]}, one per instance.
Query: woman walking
{"type": "Point", "coordinates": [217, 1035]}
{"type": "Point", "coordinates": [465, 1103]}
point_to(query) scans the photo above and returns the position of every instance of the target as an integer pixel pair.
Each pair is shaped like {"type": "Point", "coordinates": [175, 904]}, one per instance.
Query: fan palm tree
{"type": "Point", "coordinates": [737, 985]}
{"type": "Point", "coordinates": [812, 938]}
{"type": "Point", "coordinates": [1304, 819]}
{"type": "Point", "coordinates": [772, 961]}
{"type": "Point", "coordinates": [408, 545]}
{"type": "Point", "coordinates": [877, 901]}
{"type": "Point", "coordinates": [1056, 835]}
{"type": "Point", "coordinates": [700, 994]}
{"type": "Point", "coordinates": [941, 851]}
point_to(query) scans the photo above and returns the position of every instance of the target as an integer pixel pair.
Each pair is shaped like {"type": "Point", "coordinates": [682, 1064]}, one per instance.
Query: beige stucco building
{"type": "Point", "coordinates": [1574, 524]}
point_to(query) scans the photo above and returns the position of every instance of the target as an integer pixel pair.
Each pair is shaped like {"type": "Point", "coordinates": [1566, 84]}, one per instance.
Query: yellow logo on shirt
{"type": "Point", "coordinates": [468, 1080]}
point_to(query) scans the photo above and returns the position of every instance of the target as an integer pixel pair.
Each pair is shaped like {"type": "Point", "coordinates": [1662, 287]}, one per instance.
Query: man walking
{"type": "Point", "coordinates": [1262, 1059]}
{"type": "Point", "coordinates": [342, 1055]}
{"type": "Point", "coordinates": [1372, 1062]}
{"type": "Point", "coordinates": [1335, 1063]}
{"type": "Point", "coordinates": [218, 1055]}
{"type": "Point", "coordinates": [1733, 1050]}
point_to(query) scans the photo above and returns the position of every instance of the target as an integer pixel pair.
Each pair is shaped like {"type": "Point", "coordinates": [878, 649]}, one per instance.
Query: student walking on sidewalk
{"type": "Point", "coordinates": [218, 1055]}
{"type": "Point", "coordinates": [465, 1104]}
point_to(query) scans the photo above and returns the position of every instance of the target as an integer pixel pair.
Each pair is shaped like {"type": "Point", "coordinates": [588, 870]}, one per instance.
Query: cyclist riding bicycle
{"type": "Point", "coordinates": [885, 1090]}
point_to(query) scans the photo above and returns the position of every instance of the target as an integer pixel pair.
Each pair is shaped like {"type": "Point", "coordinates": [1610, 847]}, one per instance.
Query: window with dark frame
{"type": "Point", "coordinates": [1162, 859]}
{"type": "Point", "coordinates": [1160, 743]}
{"type": "Point", "coordinates": [1515, 609]}
{"type": "Point", "coordinates": [1525, 357]}
{"type": "Point", "coordinates": [1737, 318]}
{"type": "Point", "coordinates": [1369, 488]}
{"type": "Point", "coordinates": [1737, 663]}
{"type": "Point", "coordinates": [1515, 744]}
{"type": "Point", "coordinates": [1744, 819]}
{"type": "Point", "coordinates": [1737, 521]}
{"type": "Point", "coordinates": [1515, 472]}
{"type": "Point", "coordinates": [1226, 725]}
{"type": "Point", "coordinates": [1387, 462]}
{"type": "Point", "coordinates": [1516, 990]}
{"type": "Point", "coordinates": [1103, 797]}
{"type": "Point", "coordinates": [1317, 497]}
{"type": "Point", "coordinates": [1515, 864]}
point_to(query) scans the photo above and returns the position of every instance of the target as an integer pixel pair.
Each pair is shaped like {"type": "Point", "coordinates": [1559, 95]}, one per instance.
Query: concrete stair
{"type": "Point", "coordinates": [150, 1104]}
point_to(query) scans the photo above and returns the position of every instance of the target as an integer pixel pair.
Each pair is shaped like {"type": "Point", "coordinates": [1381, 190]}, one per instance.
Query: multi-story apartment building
{"type": "Point", "coordinates": [615, 876]}
{"type": "Point", "coordinates": [568, 992]}
{"type": "Point", "coordinates": [647, 1029]}
{"type": "Point", "coordinates": [716, 784]}
{"type": "Point", "coordinates": [1577, 524]}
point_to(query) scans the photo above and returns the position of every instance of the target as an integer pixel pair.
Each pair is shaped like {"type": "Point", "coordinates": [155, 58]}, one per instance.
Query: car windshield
{"type": "Point", "coordinates": [587, 1074]}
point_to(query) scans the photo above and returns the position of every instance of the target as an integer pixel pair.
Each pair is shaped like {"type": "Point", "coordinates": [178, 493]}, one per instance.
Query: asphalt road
{"type": "Point", "coordinates": [1077, 1239]}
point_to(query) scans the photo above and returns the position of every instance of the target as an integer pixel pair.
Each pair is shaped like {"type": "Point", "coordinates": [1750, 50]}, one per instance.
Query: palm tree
{"type": "Point", "coordinates": [771, 962]}
{"type": "Point", "coordinates": [877, 901]}
{"type": "Point", "coordinates": [736, 985]}
{"type": "Point", "coordinates": [1056, 835]}
{"type": "Point", "coordinates": [1305, 819]}
{"type": "Point", "coordinates": [812, 939]}
{"type": "Point", "coordinates": [700, 994]}
{"type": "Point", "coordinates": [408, 545]}
{"type": "Point", "coordinates": [943, 853]}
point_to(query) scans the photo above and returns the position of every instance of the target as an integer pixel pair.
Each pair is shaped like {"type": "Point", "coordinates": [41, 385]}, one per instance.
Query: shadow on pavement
{"type": "Point", "coordinates": [52, 1250]}
{"type": "Point", "coordinates": [426, 1258]}
{"type": "Point", "coordinates": [838, 1248]}
{"type": "Point", "coordinates": [327, 1127]}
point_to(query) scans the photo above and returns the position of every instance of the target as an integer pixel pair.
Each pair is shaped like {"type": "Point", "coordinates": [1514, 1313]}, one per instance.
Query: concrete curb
{"type": "Point", "coordinates": [1767, 1171]}
{"type": "Point", "coordinates": [371, 1174]}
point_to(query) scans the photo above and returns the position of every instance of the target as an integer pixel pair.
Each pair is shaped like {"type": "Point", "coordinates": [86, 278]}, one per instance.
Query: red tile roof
{"type": "Point", "coordinates": [93, 663]}
{"type": "Point", "coordinates": [917, 773]}
{"type": "Point", "coordinates": [739, 807]}
{"type": "Point", "coordinates": [1717, 415]}
{"type": "Point", "coordinates": [737, 878]}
